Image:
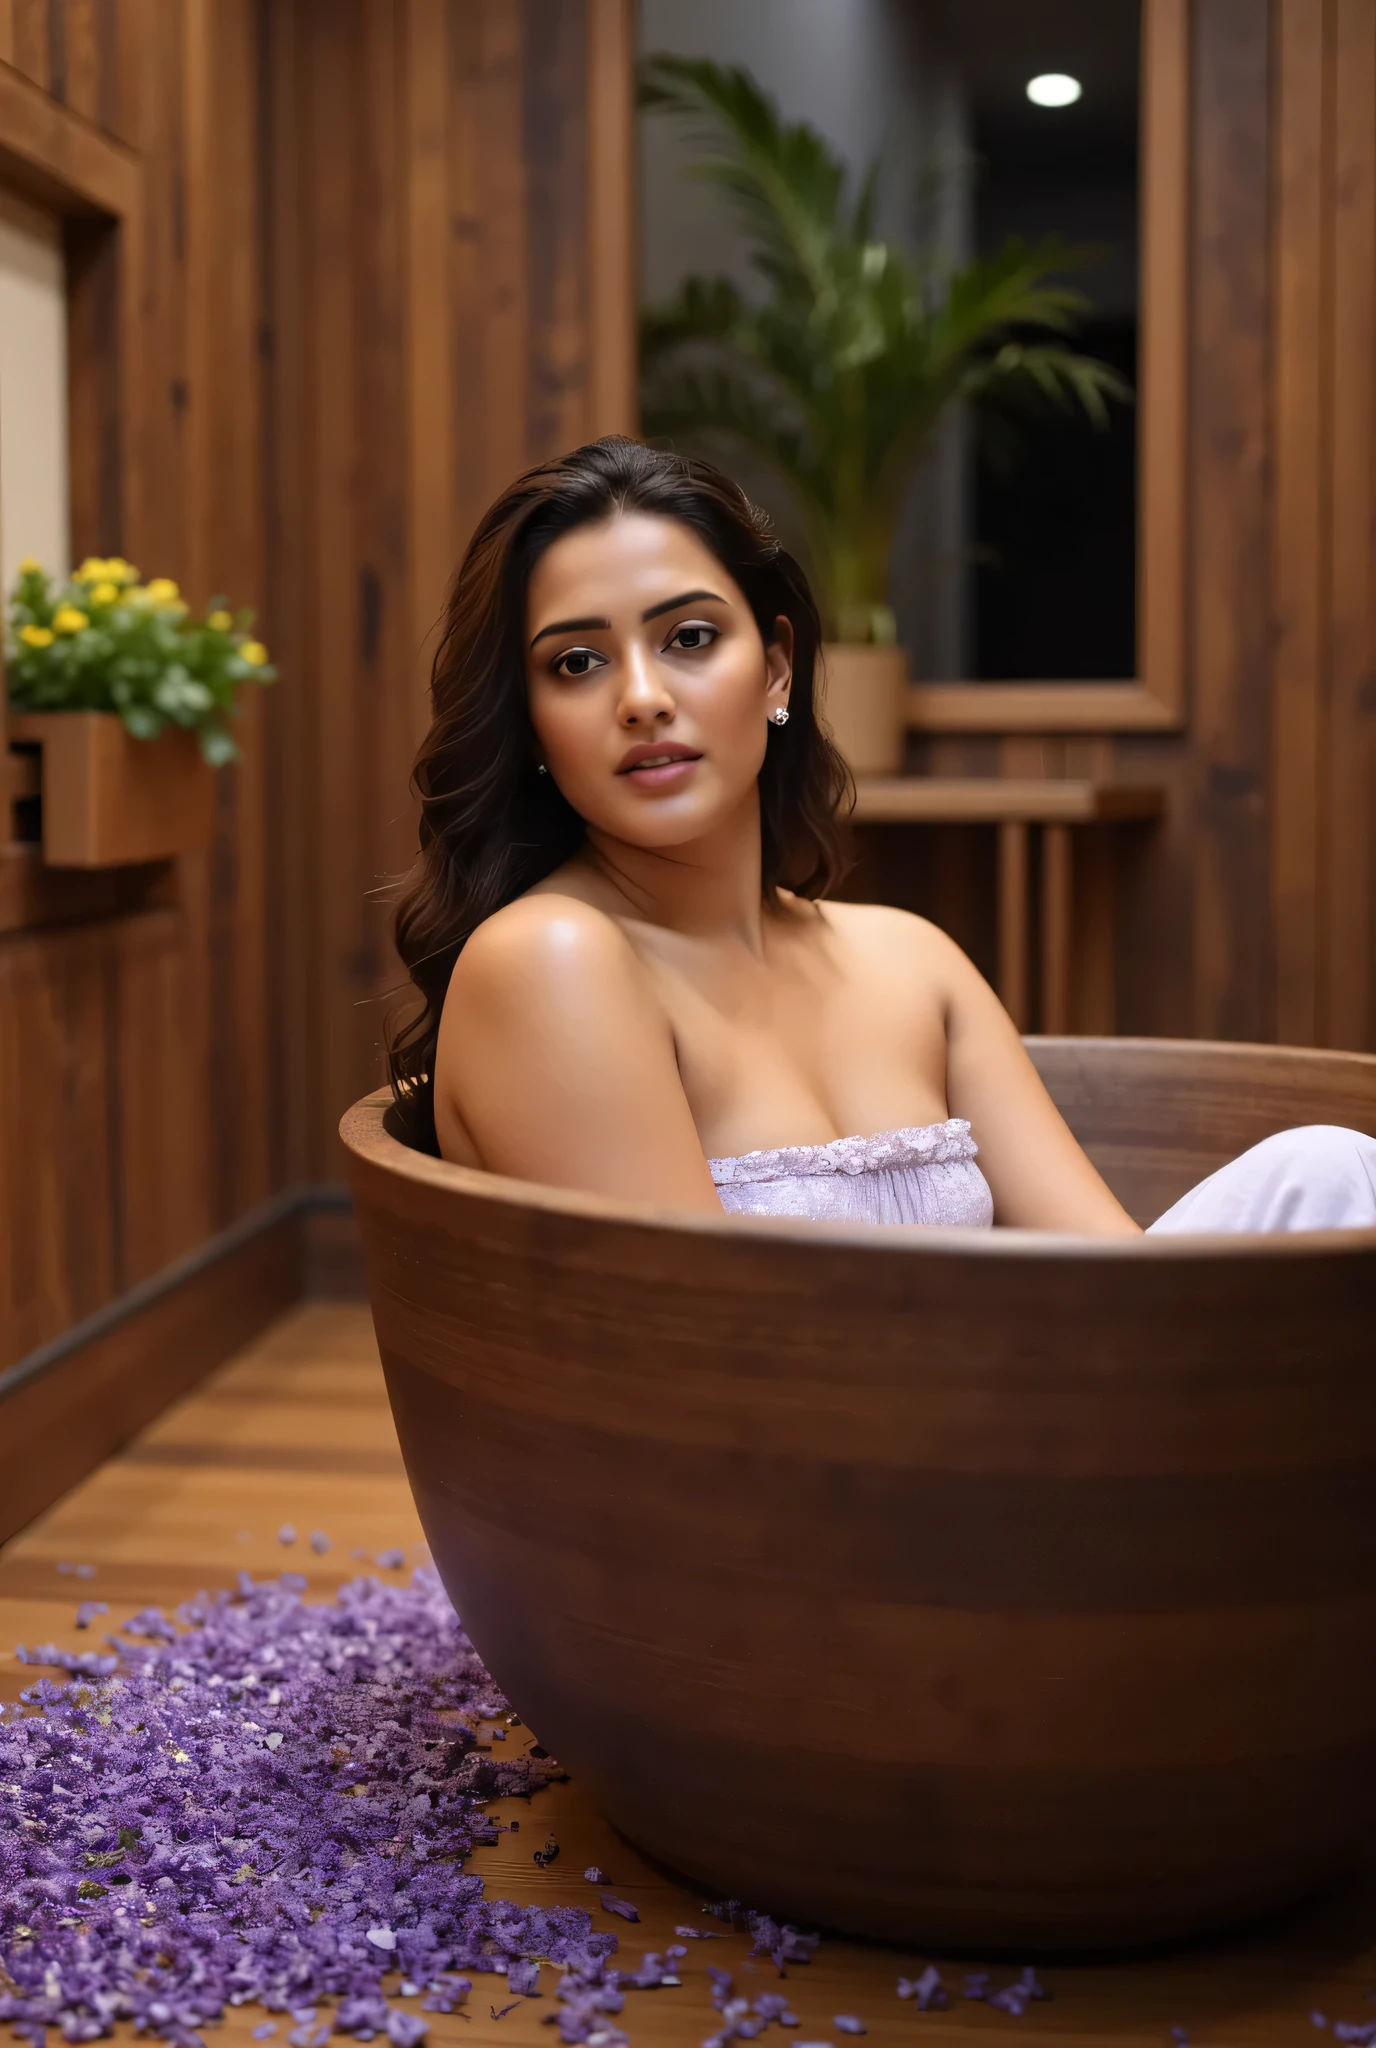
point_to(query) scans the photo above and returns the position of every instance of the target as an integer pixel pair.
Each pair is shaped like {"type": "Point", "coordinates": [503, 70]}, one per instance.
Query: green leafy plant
{"type": "Point", "coordinates": [839, 377]}
{"type": "Point", "coordinates": [104, 641]}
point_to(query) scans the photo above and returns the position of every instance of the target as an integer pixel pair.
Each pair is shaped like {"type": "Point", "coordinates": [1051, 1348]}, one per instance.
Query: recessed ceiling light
{"type": "Point", "coordinates": [1053, 89]}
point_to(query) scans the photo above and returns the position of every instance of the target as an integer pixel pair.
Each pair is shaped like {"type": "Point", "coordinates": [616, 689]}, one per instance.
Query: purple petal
{"type": "Point", "coordinates": [773, 2006]}
{"type": "Point", "coordinates": [286, 1535]}
{"type": "Point", "coordinates": [88, 1610]}
{"type": "Point", "coordinates": [614, 1905]}
{"type": "Point", "coordinates": [264, 1884]}
{"type": "Point", "coordinates": [390, 1560]}
{"type": "Point", "coordinates": [848, 2023]}
{"type": "Point", "coordinates": [926, 1990]}
{"type": "Point", "coordinates": [319, 1542]}
{"type": "Point", "coordinates": [594, 1875]}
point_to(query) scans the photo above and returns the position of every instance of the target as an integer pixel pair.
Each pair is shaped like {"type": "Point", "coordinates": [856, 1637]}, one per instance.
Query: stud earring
{"type": "Point", "coordinates": [780, 717]}
{"type": "Point", "coordinates": [540, 768]}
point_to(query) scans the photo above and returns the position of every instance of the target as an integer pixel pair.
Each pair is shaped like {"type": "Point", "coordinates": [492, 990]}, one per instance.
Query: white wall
{"type": "Point", "coordinates": [34, 506]}
{"type": "Point", "coordinates": [857, 70]}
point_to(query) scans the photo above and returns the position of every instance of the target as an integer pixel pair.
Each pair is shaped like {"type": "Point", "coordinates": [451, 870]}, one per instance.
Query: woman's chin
{"type": "Point", "coordinates": [671, 819]}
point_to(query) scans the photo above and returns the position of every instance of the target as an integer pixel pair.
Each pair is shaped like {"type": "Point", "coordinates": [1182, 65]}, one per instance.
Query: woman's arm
{"type": "Point", "coordinates": [556, 1058]}
{"type": "Point", "coordinates": [1040, 1178]}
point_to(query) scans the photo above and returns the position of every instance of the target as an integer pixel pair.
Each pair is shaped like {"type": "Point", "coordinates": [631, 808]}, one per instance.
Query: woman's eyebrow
{"type": "Point", "coordinates": [575, 626]}
{"type": "Point", "coordinates": [604, 625]}
{"type": "Point", "coordinates": [671, 604]}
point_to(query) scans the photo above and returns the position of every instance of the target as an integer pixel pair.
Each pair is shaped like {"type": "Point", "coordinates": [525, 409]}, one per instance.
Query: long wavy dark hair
{"type": "Point", "coordinates": [490, 824]}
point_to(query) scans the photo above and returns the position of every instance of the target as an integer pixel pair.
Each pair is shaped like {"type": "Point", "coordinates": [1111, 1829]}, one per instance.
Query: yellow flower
{"type": "Point", "coordinates": [28, 567]}
{"type": "Point", "coordinates": [92, 570]}
{"type": "Point", "coordinates": [221, 621]}
{"type": "Point", "coordinates": [104, 593]}
{"type": "Point", "coordinates": [121, 571]}
{"type": "Point", "coordinates": [162, 590]}
{"type": "Point", "coordinates": [67, 619]}
{"type": "Point", "coordinates": [255, 652]}
{"type": "Point", "coordinates": [35, 636]}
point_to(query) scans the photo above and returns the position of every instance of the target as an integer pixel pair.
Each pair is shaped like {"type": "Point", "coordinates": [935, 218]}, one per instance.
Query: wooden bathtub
{"type": "Point", "coordinates": [986, 1589]}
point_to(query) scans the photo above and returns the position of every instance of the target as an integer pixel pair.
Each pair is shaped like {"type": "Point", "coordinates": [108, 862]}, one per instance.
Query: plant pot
{"type": "Point", "coordinates": [865, 703]}
{"type": "Point", "coordinates": [109, 800]}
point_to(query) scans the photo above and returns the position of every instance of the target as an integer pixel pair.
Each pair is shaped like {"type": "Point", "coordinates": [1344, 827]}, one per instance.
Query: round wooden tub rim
{"type": "Point", "coordinates": [361, 1130]}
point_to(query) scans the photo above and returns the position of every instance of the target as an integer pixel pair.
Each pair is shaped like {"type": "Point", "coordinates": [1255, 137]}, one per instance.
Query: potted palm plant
{"type": "Point", "coordinates": [838, 374]}
{"type": "Point", "coordinates": [127, 699]}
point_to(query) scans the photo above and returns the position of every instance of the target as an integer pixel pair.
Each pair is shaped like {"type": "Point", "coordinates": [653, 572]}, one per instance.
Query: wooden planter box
{"type": "Point", "coordinates": [110, 800]}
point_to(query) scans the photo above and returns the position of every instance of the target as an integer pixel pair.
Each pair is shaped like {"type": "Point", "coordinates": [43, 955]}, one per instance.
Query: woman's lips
{"type": "Point", "coordinates": [667, 775]}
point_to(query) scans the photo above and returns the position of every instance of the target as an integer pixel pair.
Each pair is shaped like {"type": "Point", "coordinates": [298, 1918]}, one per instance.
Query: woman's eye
{"type": "Point", "coordinates": [692, 637]}
{"type": "Point", "coordinates": [579, 661]}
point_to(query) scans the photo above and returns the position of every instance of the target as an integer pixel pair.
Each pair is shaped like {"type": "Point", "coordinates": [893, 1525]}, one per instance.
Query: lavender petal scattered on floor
{"type": "Point", "coordinates": [623, 1907]}
{"type": "Point", "coordinates": [243, 1807]}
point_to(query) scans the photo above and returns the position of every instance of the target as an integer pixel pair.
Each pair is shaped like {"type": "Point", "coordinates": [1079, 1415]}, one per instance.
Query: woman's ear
{"type": "Point", "coordinates": [778, 660]}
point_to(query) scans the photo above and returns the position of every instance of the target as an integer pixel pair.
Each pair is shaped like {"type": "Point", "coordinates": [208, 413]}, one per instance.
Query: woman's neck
{"type": "Point", "coordinates": [706, 888]}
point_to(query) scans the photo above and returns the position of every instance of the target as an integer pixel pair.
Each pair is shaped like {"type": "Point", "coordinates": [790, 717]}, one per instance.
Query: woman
{"type": "Point", "coordinates": [632, 980]}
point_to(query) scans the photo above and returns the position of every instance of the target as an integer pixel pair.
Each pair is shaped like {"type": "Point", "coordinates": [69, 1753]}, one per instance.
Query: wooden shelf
{"type": "Point", "coordinates": [1042, 800]}
{"type": "Point", "coordinates": [1015, 807]}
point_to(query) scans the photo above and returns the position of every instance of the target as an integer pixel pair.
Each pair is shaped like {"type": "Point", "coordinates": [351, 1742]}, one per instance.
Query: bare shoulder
{"type": "Point", "coordinates": [897, 938]}
{"type": "Point", "coordinates": [546, 944]}
{"type": "Point", "coordinates": [556, 1060]}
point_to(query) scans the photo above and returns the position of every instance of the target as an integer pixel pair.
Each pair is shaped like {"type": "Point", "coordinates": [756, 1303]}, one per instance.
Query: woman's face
{"type": "Point", "coordinates": [650, 687]}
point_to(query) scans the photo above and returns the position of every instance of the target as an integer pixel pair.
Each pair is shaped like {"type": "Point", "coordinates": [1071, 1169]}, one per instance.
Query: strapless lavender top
{"type": "Point", "coordinates": [926, 1174]}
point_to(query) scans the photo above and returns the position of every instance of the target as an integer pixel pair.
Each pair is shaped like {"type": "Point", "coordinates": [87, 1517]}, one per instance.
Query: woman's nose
{"type": "Point", "coordinates": [644, 697]}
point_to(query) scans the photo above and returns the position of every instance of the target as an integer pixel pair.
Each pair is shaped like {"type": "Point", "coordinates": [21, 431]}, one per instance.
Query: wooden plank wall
{"type": "Point", "coordinates": [370, 294]}
{"type": "Point", "coordinates": [1252, 913]}
{"type": "Point", "coordinates": [134, 1063]}
{"type": "Point", "coordinates": [436, 329]}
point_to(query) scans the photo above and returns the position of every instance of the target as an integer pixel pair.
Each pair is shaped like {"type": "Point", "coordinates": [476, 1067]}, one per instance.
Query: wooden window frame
{"type": "Point", "coordinates": [1153, 701]}
{"type": "Point", "coordinates": [93, 184]}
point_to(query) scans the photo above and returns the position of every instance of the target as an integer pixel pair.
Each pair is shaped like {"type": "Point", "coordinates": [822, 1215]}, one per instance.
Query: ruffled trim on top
{"type": "Point", "coordinates": [918, 1145]}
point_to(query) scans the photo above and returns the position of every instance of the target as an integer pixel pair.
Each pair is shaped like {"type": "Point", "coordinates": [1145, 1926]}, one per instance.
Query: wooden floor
{"type": "Point", "coordinates": [297, 1430]}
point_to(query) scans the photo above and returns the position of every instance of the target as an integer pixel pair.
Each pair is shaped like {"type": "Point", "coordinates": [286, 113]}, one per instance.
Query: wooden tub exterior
{"type": "Point", "coordinates": [997, 1590]}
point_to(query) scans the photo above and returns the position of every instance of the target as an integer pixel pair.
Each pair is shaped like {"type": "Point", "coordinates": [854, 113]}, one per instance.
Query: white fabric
{"type": "Point", "coordinates": [1320, 1177]}
{"type": "Point", "coordinates": [925, 1173]}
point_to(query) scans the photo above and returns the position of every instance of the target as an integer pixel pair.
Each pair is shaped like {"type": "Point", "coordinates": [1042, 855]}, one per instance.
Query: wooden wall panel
{"type": "Point", "coordinates": [350, 297]}
{"type": "Point", "coordinates": [101, 1181]}
{"type": "Point", "coordinates": [1229, 745]}
{"type": "Point", "coordinates": [431, 201]}
{"type": "Point", "coordinates": [135, 1051]}
{"type": "Point", "coordinates": [77, 51]}
{"type": "Point", "coordinates": [1350, 796]}
{"type": "Point", "coordinates": [1303, 345]}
